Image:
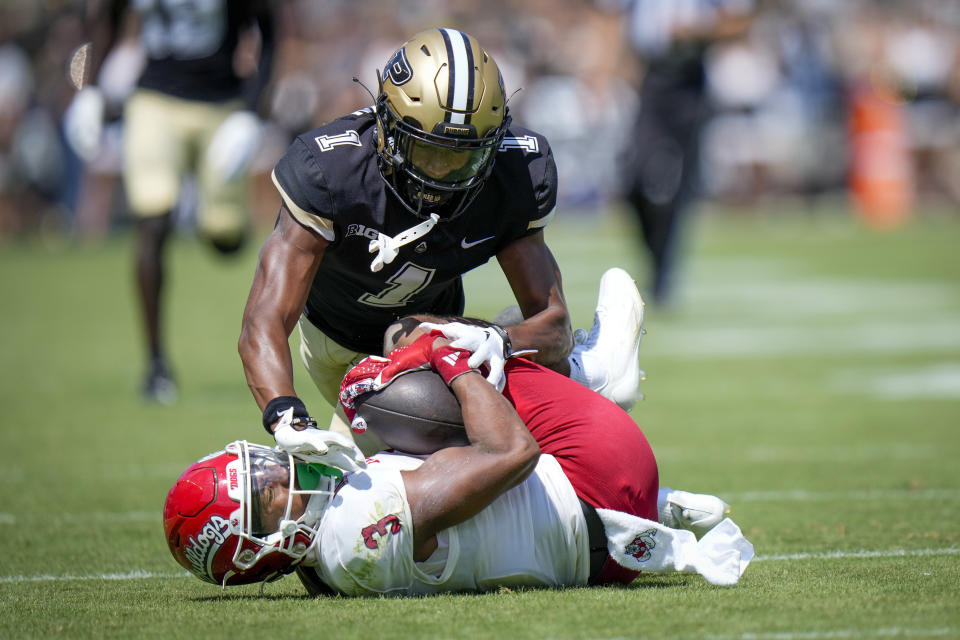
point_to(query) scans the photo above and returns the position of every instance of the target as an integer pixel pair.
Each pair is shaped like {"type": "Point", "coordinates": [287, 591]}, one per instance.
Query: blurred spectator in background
{"type": "Point", "coordinates": [194, 111]}
{"type": "Point", "coordinates": [577, 93]}
{"type": "Point", "coordinates": [777, 110]}
{"type": "Point", "coordinates": [921, 52]}
{"type": "Point", "coordinates": [36, 190]}
{"type": "Point", "coordinates": [662, 157]}
{"type": "Point", "coordinates": [773, 99]}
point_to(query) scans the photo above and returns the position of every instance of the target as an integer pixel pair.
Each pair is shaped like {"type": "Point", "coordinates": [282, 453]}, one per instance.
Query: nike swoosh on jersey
{"type": "Point", "coordinates": [466, 245]}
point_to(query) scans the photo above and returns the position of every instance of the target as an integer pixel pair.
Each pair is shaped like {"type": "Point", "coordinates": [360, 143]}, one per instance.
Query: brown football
{"type": "Point", "coordinates": [416, 413]}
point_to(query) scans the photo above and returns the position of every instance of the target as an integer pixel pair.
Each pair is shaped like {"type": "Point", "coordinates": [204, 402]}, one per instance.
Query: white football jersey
{"type": "Point", "coordinates": [534, 534]}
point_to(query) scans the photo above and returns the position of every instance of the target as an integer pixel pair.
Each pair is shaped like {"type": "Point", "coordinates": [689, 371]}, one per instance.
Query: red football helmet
{"type": "Point", "coordinates": [239, 516]}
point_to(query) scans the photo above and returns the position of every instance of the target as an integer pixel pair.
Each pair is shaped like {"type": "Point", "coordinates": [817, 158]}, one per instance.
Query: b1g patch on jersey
{"type": "Point", "coordinates": [530, 144]}
{"type": "Point", "coordinates": [361, 230]}
{"type": "Point", "coordinates": [398, 68]}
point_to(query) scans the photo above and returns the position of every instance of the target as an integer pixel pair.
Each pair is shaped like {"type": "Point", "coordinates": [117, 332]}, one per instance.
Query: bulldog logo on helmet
{"type": "Point", "coordinates": [200, 550]}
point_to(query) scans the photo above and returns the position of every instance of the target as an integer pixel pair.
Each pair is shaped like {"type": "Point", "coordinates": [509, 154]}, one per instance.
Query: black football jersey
{"type": "Point", "coordinates": [330, 181]}
{"type": "Point", "coordinates": [190, 46]}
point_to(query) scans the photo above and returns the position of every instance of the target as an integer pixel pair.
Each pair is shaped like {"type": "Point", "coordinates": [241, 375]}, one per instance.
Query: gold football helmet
{"type": "Point", "coordinates": [442, 114]}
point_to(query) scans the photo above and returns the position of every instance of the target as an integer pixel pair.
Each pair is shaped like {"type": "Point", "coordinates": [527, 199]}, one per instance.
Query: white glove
{"type": "Point", "coordinates": [485, 343]}
{"type": "Point", "coordinates": [83, 122]}
{"type": "Point", "coordinates": [233, 146]}
{"type": "Point", "coordinates": [317, 445]}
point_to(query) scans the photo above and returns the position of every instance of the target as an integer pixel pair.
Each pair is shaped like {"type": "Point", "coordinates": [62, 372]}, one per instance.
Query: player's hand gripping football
{"type": "Point", "coordinates": [317, 445]}
{"type": "Point", "coordinates": [486, 343]}
{"type": "Point", "coordinates": [373, 373]}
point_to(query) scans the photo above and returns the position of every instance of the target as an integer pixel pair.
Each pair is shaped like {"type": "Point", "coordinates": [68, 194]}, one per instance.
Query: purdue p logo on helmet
{"type": "Point", "coordinates": [398, 69]}
{"type": "Point", "coordinates": [443, 110]}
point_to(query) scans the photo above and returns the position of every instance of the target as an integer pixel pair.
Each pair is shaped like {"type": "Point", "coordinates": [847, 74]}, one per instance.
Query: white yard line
{"type": "Point", "coordinates": [887, 632]}
{"type": "Point", "coordinates": [844, 555]}
{"type": "Point", "coordinates": [92, 517]}
{"type": "Point", "coordinates": [861, 495]}
{"type": "Point", "coordinates": [738, 497]}
{"type": "Point", "coordinates": [812, 453]}
{"type": "Point", "coordinates": [140, 574]}
{"type": "Point", "coordinates": [772, 309]}
{"type": "Point", "coordinates": [799, 296]}
{"type": "Point", "coordinates": [136, 574]}
{"type": "Point", "coordinates": [879, 338]}
{"type": "Point", "coordinates": [938, 380]}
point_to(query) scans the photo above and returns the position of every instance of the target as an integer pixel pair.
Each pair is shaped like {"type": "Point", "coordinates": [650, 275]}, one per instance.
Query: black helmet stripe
{"type": "Point", "coordinates": [471, 77]}
{"type": "Point", "coordinates": [460, 80]}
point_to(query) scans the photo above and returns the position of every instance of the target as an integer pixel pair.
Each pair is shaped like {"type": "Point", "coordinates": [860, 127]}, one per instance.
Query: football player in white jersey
{"type": "Point", "coordinates": [544, 503]}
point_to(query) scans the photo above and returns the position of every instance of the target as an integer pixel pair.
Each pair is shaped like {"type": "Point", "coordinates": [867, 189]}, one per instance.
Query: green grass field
{"type": "Point", "coordinates": [809, 373]}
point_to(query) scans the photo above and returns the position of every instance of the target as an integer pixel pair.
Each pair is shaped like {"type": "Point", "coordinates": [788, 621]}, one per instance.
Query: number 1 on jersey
{"type": "Point", "coordinates": [409, 280]}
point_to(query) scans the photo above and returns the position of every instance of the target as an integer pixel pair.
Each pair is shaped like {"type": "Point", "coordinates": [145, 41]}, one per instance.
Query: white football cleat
{"type": "Point", "coordinates": [605, 359]}
{"type": "Point", "coordinates": [696, 512]}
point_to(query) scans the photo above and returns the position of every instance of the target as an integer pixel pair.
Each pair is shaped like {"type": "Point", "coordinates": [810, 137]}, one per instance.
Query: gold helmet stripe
{"type": "Point", "coordinates": [460, 81]}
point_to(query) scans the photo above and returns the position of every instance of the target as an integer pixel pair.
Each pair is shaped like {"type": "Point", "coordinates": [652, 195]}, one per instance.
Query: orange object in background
{"type": "Point", "coordinates": [881, 173]}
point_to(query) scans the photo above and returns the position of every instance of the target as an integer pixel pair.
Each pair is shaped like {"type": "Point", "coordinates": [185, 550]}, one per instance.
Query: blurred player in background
{"type": "Point", "coordinates": [384, 210]}
{"type": "Point", "coordinates": [193, 112]}
{"type": "Point", "coordinates": [661, 160]}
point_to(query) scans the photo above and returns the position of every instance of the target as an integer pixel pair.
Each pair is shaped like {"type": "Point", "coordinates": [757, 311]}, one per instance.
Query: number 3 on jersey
{"type": "Point", "coordinates": [405, 283]}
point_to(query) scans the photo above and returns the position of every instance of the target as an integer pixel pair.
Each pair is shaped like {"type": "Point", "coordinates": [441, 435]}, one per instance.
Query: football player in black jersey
{"type": "Point", "coordinates": [190, 112]}
{"type": "Point", "coordinates": [383, 211]}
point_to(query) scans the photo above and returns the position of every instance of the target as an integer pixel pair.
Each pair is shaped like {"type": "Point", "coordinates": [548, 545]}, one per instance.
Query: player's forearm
{"type": "Point", "coordinates": [549, 332]}
{"type": "Point", "coordinates": [493, 426]}
{"type": "Point", "coordinates": [535, 278]}
{"type": "Point", "coordinates": [288, 261]}
{"type": "Point", "coordinates": [267, 362]}
{"type": "Point", "coordinates": [456, 483]}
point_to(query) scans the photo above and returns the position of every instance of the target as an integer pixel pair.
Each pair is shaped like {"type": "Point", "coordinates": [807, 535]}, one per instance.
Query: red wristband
{"type": "Point", "coordinates": [450, 362]}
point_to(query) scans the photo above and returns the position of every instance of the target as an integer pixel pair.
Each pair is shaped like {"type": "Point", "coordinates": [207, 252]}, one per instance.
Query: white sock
{"type": "Point", "coordinates": [664, 514]}
{"type": "Point", "coordinates": [586, 370]}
